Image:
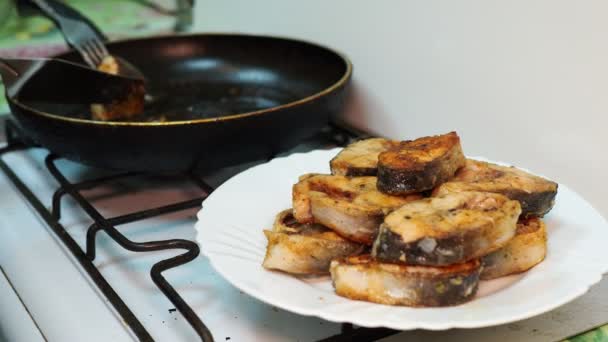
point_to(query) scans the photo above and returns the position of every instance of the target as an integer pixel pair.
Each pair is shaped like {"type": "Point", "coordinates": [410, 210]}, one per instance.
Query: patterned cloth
{"type": "Point", "coordinates": [599, 334]}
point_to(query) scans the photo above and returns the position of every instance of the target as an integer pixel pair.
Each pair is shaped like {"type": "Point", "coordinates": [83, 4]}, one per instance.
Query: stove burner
{"type": "Point", "coordinates": [333, 135]}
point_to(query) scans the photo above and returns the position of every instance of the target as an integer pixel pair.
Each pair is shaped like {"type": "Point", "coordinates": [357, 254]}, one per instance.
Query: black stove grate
{"type": "Point", "coordinates": [333, 135]}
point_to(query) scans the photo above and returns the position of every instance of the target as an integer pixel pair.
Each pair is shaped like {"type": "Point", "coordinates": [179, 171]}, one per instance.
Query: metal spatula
{"type": "Point", "coordinates": [82, 35]}
{"type": "Point", "coordinates": [55, 80]}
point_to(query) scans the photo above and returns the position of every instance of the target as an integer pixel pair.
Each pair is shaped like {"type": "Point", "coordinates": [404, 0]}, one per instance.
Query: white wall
{"type": "Point", "coordinates": [524, 82]}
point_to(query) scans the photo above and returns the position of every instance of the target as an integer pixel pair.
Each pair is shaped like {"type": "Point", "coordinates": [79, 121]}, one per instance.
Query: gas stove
{"type": "Point", "coordinates": [111, 255]}
{"type": "Point", "coordinates": [95, 255]}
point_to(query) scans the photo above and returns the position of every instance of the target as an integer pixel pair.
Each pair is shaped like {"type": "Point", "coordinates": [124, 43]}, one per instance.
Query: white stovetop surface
{"type": "Point", "coordinates": [65, 306]}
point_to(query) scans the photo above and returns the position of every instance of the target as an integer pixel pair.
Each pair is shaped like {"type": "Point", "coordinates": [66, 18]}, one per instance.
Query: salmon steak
{"type": "Point", "coordinates": [363, 278]}
{"type": "Point", "coordinates": [360, 158]}
{"type": "Point", "coordinates": [304, 248]}
{"type": "Point", "coordinates": [535, 194]}
{"type": "Point", "coordinates": [419, 165]}
{"type": "Point", "coordinates": [445, 230]}
{"type": "Point", "coordinates": [352, 207]}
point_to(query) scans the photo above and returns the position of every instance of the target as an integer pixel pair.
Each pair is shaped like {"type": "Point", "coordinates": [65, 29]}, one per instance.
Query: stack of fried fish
{"type": "Point", "coordinates": [412, 222]}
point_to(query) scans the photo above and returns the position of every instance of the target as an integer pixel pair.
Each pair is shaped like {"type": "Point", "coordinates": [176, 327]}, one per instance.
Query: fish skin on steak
{"type": "Point", "coordinates": [445, 230]}
{"type": "Point", "coordinates": [535, 194]}
{"type": "Point", "coordinates": [363, 278]}
{"type": "Point", "coordinates": [419, 165]}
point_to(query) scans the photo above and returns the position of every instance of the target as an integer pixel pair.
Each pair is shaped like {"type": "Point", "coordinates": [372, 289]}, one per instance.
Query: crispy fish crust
{"type": "Point", "coordinates": [526, 250]}
{"type": "Point", "coordinates": [419, 165]}
{"type": "Point", "coordinates": [446, 230]}
{"type": "Point", "coordinates": [536, 194]}
{"type": "Point", "coordinates": [360, 158]}
{"type": "Point", "coordinates": [363, 278]}
{"type": "Point", "coordinates": [352, 207]}
{"type": "Point", "coordinates": [122, 108]}
{"type": "Point", "coordinates": [304, 248]}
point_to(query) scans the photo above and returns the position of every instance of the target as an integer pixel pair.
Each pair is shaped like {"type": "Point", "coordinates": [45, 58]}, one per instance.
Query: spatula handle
{"type": "Point", "coordinates": [13, 70]}
{"type": "Point", "coordinates": [64, 17]}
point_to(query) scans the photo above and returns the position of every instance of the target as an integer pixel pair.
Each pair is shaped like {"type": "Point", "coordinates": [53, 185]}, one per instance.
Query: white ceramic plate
{"type": "Point", "coordinates": [230, 234]}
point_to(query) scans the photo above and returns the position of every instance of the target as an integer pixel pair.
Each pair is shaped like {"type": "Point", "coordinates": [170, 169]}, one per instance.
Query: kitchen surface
{"type": "Point", "coordinates": [522, 82]}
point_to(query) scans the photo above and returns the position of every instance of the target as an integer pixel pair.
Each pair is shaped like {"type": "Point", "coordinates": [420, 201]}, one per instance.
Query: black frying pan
{"type": "Point", "coordinates": [226, 99]}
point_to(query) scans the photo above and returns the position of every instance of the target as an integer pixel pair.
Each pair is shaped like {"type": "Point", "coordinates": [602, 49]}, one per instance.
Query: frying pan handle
{"type": "Point", "coordinates": [64, 17]}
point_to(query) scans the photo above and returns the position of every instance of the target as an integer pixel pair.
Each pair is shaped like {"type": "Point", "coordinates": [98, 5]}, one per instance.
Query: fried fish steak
{"type": "Point", "coordinates": [360, 158]}
{"type": "Point", "coordinates": [445, 230]}
{"type": "Point", "coordinates": [363, 278]}
{"type": "Point", "coordinates": [419, 165]}
{"type": "Point", "coordinates": [526, 250]}
{"type": "Point", "coordinates": [536, 194]}
{"type": "Point", "coordinates": [352, 207]}
{"type": "Point", "coordinates": [129, 106]}
{"type": "Point", "coordinates": [304, 248]}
